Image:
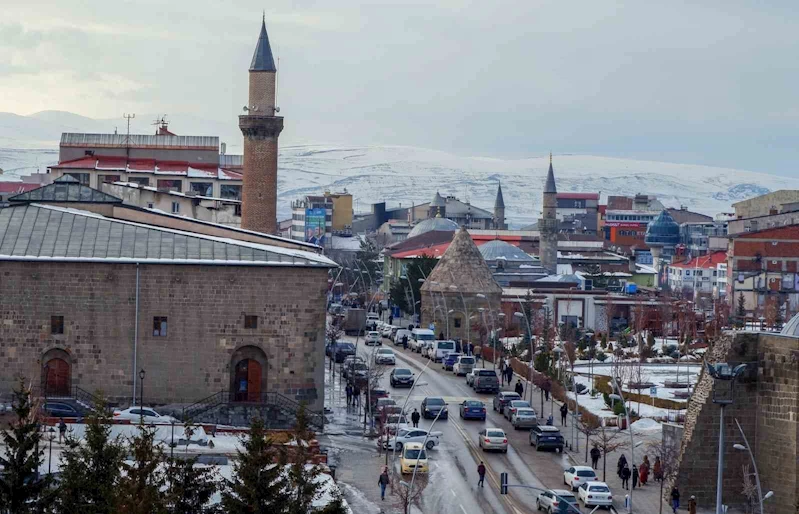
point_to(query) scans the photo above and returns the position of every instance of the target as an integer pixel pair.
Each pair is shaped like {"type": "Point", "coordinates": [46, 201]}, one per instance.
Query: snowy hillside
{"type": "Point", "coordinates": [407, 175]}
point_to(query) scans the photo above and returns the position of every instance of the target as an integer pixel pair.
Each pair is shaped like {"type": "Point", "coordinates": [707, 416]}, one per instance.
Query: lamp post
{"type": "Point", "coordinates": [51, 436]}
{"type": "Point", "coordinates": [141, 395]}
{"type": "Point", "coordinates": [746, 447]}
{"type": "Point", "coordinates": [413, 297]}
{"type": "Point", "coordinates": [722, 371]}
{"type": "Point", "coordinates": [617, 386]}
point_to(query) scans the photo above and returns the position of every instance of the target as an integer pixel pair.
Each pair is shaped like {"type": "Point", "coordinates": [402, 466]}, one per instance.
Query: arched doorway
{"type": "Point", "coordinates": [247, 381]}
{"type": "Point", "coordinates": [56, 377]}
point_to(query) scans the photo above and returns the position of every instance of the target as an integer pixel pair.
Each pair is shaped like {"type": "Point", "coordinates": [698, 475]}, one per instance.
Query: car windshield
{"type": "Point", "coordinates": [586, 473]}
{"type": "Point", "coordinates": [473, 403]}
{"type": "Point", "coordinates": [495, 433]}
{"type": "Point", "coordinates": [520, 403]}
{"type": "Point", "coordinates": [385, 401]}
{"type": "Point", "coordinates": [487, 373]}
{"type": "Point", "coordinates": [358, 365]}
{"type": "Point", "coordinates": [425, 337]}
{"type": "Point", "coordinates": [599, 489]}
{"type": "Point", "coordinates": [510, 396]}
{"type": "Point", "coordinates": [397, 418]}
{"type": "Point", "coordinates": [402, 371]}
{"type": "Point", "coordinates": [525, 412]}
{"type": "Point", "coordinates": [568, 498]}
{"type": "Point", "coordinates": [435, 401]}
{"type": "Point", "coordinates": [446, 345]}
{"type": "Point", "coordinates": [345, 346]}
{"type": "Point", "coordinates": [373, 334]}
{"type": "Point", "coordinates": [467, 360]}
{"type": "Point", "coordinates": [385, 351]}
{"type": "Point", "coordinates": [415, 454]}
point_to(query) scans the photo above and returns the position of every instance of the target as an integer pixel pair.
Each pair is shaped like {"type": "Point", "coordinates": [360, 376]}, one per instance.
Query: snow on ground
{"type": "Point", "coordinates": [658, 374]}
{"type": "Point", "coordinates": [596, 406]}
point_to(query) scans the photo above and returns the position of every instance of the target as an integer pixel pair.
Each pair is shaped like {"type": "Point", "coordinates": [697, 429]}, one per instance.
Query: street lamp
{"type": "Point", "coordinates": [745, 447]}
{"type": "Point", "coordinates": [724, 372]}
{"type": "Point", "coordinates": [51, 436]}
{"type": "Point", "coordinates": [141, 395]}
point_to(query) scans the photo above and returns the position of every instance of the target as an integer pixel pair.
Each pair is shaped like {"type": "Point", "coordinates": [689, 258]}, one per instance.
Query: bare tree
{"type": "Point", "coordinates": [608, 441]}
{"type": "Point", "coordinates": [668, 456]}
{"type": "Point", "coordinates": [749, 490]}
{"type": "Point", "coordinates": [400, 489]}
{"type": "Point", "coordinates": [588, 426]}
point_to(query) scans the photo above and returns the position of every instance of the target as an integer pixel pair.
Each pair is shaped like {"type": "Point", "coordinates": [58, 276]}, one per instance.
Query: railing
{"type": "Point", "coordinates": [270, 398]}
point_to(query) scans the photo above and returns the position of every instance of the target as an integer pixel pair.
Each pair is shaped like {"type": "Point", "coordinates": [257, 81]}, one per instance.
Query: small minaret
{"type": "Point", "coordinates": [499, 210]}
{"type": "Point", "coordinates": [261, 129]}
{"type": "Point", "coordinates": [548, 225]}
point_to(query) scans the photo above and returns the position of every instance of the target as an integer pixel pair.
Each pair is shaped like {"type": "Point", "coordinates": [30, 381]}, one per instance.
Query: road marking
{"type": "Point", "coordinates": [453, 493]}
{"type": "Point", "coordinates": [464, 510]}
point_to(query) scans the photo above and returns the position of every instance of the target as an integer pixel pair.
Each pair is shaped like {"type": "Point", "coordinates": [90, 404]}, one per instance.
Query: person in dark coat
{"type": "Point", "coordinates": [383, 483]}
{"type": "Point", "coordinates": [675, 500]}
{"type": "Point", "coordinates": [390, 319]}
{"type": "Point", "coordinates": [356, 395]}
{"type": "Point", "coordinates": [625, 476]}
{"type": "Point", "coordinates": [405, 342]}
{"type": "Point", "coordinates": [595, 455]}
{"type": "Point", "coordinates": [519, 388]}
{"type": "Point", "coordinates": [441, 336]}
{"type": "Point", "coordinates": [621, 464]}
{"type": "Point", "coordinates": [635, 476]}
{"type": "Point", "coordinates": [348, 390]}
{"type": "Point", "coordinates": [564, 411]}
{"type": "Point", "coordinates": [481, 472]}
{"type": "Point", "coordinates": [62, 429]}
{"type": "Point", "coordinates": [415, 418]}
{"type": "Point", "coordinates": [502, 371]}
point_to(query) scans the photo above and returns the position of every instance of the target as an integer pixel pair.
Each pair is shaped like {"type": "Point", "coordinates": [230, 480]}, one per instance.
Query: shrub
{"type": "Point", "coordinates": [601, 357]}
{"type": "Point", "coordinates": [618, 408]}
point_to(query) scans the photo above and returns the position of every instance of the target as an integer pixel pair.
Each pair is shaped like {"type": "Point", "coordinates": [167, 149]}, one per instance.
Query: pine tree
{"type": "Point", "coordinates": [258, 485]}
{"type": "Point", "coordinates": [190, 487]}
{"type": "Point", "coordinates": [303, 475]}
{"type": "Point", "coordinates": [90, 472]}
{"type": "Point", "coordinates": [336, 506]}
{"type": "Point", "coordinates": [140, 486]}
{"type": "Point", "coordinates": [21, 489]}
{"type": "Point", "coordinates": [741, 310]}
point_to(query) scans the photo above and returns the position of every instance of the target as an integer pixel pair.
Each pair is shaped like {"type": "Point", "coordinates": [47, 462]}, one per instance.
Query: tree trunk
{"type": "Point", "coordinates": [604, 466]}
{"type": "Point", "coordinates": [661, 496]}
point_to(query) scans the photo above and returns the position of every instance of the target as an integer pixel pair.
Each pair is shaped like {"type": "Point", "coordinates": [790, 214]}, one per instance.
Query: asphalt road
{"type": "Point", "coordinates": [453, 481]}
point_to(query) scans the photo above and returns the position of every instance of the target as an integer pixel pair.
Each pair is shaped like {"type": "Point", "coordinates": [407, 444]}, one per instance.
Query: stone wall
{"type": "Point", "coordinates": [205, 308]}
{"type": "Point", "coordinates": [765, 406]}
{"type": "Point", "coordinates": [435, 305]}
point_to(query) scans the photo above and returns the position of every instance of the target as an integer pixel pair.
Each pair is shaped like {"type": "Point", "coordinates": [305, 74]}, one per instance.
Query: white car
{"type": "Point", "coordinates": [470, 376]}
{"type": "Point", "coordinates": [387, 330]}
{"type": "Point", "coordinates": [493, 439]}
{"type": "Point", "coordinates": [549, 501]}
{"type": "Point", "coordinates": [385, 356]}
{"type": "Point", "coordinates": [145, 414]}
{"type": "Point", "coordinates": [595, 494]}
{"type": "Point", "coordinates": [464, 365]}
{"type": "Point", "coordinates": [398, 336]}
{"type": "Point", "coordinates": [576, 476]}
{"type": "Point", "coordinates": [373, 338]}
{"type": "Point", "coordinates": [414, 435]}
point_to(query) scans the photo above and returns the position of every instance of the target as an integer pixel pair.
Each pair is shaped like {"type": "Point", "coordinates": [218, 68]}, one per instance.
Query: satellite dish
{"type": "Point", "coordinates": [245, 108]}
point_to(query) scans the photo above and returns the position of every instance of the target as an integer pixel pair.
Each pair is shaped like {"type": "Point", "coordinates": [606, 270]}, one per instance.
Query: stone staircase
{"type": "Point", "coordinates": [276, 410]}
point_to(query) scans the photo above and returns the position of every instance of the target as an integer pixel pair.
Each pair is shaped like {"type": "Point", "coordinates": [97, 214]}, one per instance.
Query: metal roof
{"type": "Point", "coordinates": [262, 58]}
{"type": "Point", "coordinates": [498, 249]}
{"type": "Point", "coordinates": [32, 232]}
{"type": "Point", "coordinates": [63, 190]}
{"type": "Point", "coordinates": [431, 224]}
{"type": "Point", "coordinates": [662, 231]}
{"type": "Point", "coordinates": [139, 141]}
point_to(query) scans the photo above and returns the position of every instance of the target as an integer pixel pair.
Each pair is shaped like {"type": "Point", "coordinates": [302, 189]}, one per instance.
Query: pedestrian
{"type": "Point", "coordinates": [595, 454]}
{"type": "Point", "coordinates": [645, 471]}
{"type": "Point", "coordinates": [692, 505]}
{"type": "Point", "coordinates": [621, 464]}
{"type": "Point", "coordinates": [348, 390]}
{"type": "Point", "coordinates": [62, 429]}
{"type": "Point", "coordinates": [415, 418]}
{"type": "Point", "coordinates": [481, 472]}
{"type": "Point", "coordinates": [405, 342]}
{"type": "Point", "coordinates": [546, 395]}
{"type": "Point", "coordinates": [502, 371]}
{"type": "Point", "coordinates": [390, 319]}
{"type": "Point", "coordinates": [356, 395]}
{"type": "Point", "coordinates": [675, 500]}
{"type": "Point", "coordinates": [564, 410]}
{"type": "Point", "coordinates": [383, 482]}
{"type": "Point", "coordinates": [509, 374]}
{"type": "Point", "coordinates": [657, 469]}
{"type": "Point", "coordinates": [625, 477]}
{"type": "Point", "coordinates": [519, 388]}
{"type": "Point", "coordinates": [635, 476]}
{"type": "Point", "coordinates": [441, 336]}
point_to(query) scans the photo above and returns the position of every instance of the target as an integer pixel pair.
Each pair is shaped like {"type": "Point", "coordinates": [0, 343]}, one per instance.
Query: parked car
{"type": "Point", "coordinates": [372, 319]}
{"type": "Point", "coordinates": [385, 356]}
{"type": "Point", "coordinates": [373, 338]}
{"type": "Point", "coordinates": [395, 422]}
{"type": "Point", "coordinates": [502, 398]}
{"type": "Point", "coordinates": [387, 330]}
{"type": "Point", "coordinates": [420, 336]}
{"type": "Point", "coordinates": [493, 439]}
{"type": "Point", "coordinates": [473, 409]}
{"type": "Point", "coordinates": [546, 436]}
{"type": "Point", "coordinates": [414, 435]}
{"type": "Point", "coordinates": [145, 414]}
{"type": "Point", "coordinates": [375, 395]}
{"type": "Point", "coordinates": [512, 405]}
{"type": "Point", "coordinates": [576, 476]}
{"type": "Point", "coordinates": [431, 407]}
{"type": "Point", "coordinates": [61, 410]}
{"type": "Point", "coordinates": [341, 349]}
{"type": "Point", "coordinates": [523, 417]}
{"type": "Point", "coordinates": [414, 458]}
{"type": "Point", "coordinates": [355, 370]}
{"type": "Point", "coordinates": [470, 376]}
{"type": "Point", "coordinates": [449, 361]}
{"type": "Point", "coordinates": [440, 349]}
{"type": "Point", "coordinates": [594, 494]}
{"type": "Point", "coordinates": [401, 377]}
{"type": "Point", "coordinates": [550, 501]}
{"type": "Point", "coordinates": [486, 380]}
{"type": "Point", "coordinates": [464, 365]}
{"type": "Point", "coordinates": [397, 337]}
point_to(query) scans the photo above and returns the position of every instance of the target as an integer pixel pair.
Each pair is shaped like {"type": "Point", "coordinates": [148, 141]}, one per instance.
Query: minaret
{"type": "Point", "coordinates": [548, 225]}
{"type": "Point", "coordinates": [261, 129]}
{"type": "Point", "coordinates": [499, 210]}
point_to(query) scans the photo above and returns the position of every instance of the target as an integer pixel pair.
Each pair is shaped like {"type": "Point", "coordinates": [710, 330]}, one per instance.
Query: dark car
{"type": "Point", "coordinates": [376, 394]}
{"type": "Point", "coordinates": [546, 436]}
{"type": "Point", "coordinates": [342, 351]}
{"type": "Point", "coordinates": [473, 409]}
{"type": "Point", "coordinates": [503, 398]}
{"type": "Point", "coordinates": [61, 410]}
{"type": "Point", "coordinates": [513, 405]}
{"type": "Point", "coordinates": [450, 360]}
{"type": "Point", "coordinates": [486, 380]}
{"type": "Point", "coordinates": [401, 377]}
{"type": "Point", "coordinates": [431, 407]}
{"type": "Point", "coordinates": [355, 371]}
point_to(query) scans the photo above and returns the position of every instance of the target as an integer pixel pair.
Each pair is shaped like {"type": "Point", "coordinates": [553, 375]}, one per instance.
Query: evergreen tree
{"type": "Point", "coordinates": [90, 472]}
{"type": "Point", "coordinates": [400, 296]}
{"type": "Point", "coordinates": [303, 474]}
{"type": "Point", "coordinates": [140, 488]}
{"type": "Point", "coordinates": [22, 491]}
{"type": "Point", "coordinates": [190, 487]}
{"type": "Point", "coordinates": [741, 310]}
{"type": "Point", "coordinates": [258, 485]}
{"type": "Point", "coordinates": [336, 506]}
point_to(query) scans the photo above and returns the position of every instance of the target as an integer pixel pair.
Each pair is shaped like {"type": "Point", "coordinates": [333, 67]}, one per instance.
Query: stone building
{"type": "Point", "coordinates": [89, 298]}
{"type": "Point", "coordinates": [548, 225]}
{"type": "Point", "coordinates": [261, 129]}
{"type": "Point", "coordinates": [458, 287]}
{"type": "Point", "coordinates": [766, 404]}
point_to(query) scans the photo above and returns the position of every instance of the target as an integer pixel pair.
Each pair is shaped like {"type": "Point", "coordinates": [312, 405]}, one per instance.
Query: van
{"type": "Point", "coordinates": [413, 457]}
{"type": "Point", "coordinates": [420, 336]}
{"type": "Point", "coordinates": [441, 349]}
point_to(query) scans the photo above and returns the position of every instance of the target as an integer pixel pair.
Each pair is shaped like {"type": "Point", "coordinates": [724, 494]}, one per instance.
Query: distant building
{"type": "Point", "coordinates": [662, 238]}
{"type": "Point", "coordinates": [767, 204]}
{"type": "Point", "coordinates": [450, 207]}
{"type": "Point", "coordinates": [394, 231]}
{"type": "Point", "coordinates": [316, 218]}
{"type": "Point", "coordinates": [706, 274]}
{"type": "Point", "coordinates": [548, 225]}
{"type": "Point", "coordinates": [8, 189]}
{"type": "Point", "coordinates": [578, 212]}
{"type": "Point", "coordinates": [703, 237]}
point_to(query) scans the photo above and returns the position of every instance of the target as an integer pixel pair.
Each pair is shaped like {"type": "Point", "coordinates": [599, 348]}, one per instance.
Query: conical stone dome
{"type": "Point", "coordinates": [463, 266]}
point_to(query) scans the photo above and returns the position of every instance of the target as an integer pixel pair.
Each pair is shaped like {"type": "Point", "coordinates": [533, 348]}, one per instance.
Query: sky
{"type": "Point", "coordinates": [710, 82]}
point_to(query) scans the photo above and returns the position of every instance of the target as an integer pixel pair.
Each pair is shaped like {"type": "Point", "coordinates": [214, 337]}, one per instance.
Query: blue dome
{"type": "Point", "coordinates": [663, 231]}
{"type": "Point", "coordinates": [497, 249]}
{"type": "Point", "coordinates": [431, 224]}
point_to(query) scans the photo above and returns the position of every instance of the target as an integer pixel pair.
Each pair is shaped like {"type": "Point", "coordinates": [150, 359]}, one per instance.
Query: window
{"type": "Point", "coordinates": [170, 185]}
{"type": "Point", "coordinates": [108, 179]}
{"type": "Point", "coordinates": [159, 326]}
{"type": "Point", "coordinates": [457, 323]}
{"type": "Point", "coordinates": [203, 188]}
{"type": "Point", "coordinates": [250, 321]}
{"type": "Point", "coordinates": [142, 181]}
{"type": "Point", "coordinates": [56, 324]}
{"type": "Point", "coordinates": [175, 208]}
{"type": "Point", "coordinates": [237, 209]}
{"type": "Point", "coordinates": [149, 205]}
{"type": "Point", "coordinates": [83, 178]}
{"type": "Point", "coordinates": [230, 192]}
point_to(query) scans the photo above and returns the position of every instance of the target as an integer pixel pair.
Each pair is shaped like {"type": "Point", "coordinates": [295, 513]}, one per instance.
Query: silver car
{"type": "Point", "coordinates": [523, 418]}
{"type": "Point", "coordinates": [493, 439]}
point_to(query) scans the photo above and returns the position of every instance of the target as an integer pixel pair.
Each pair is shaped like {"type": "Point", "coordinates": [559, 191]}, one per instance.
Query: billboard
{"type": "Point", "coordinates": [315, 225]}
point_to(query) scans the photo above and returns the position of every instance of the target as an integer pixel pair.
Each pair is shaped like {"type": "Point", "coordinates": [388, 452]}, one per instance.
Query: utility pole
{"type": "Point", "coordinates": [128, 117]}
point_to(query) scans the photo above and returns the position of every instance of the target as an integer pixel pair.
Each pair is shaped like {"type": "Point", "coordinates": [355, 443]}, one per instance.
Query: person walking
{"type": "Point", "coordinates": [595, 455]}
{"type": "Point", "coordinates": [383, 482]}
{"type": "Point", "coordinates": [356, 395]}
{"type": "Point", "coordinates": [692, 505]}
{"type": "Point", "coordinates": [509, 371]}
{"type": "Point", "coordinates": [635, 476]}
{"type": "Point", "coordinates": [519, 388]}
{"type": "Point", "coordinates": [348, 390]}
{"type": "Point", "coordinates": [645, 471]}
{"type": "Point", "coordinates": [564, 411]}
{"type": "Point", "coordinates": [62, 429]}
{"type": "Point", "coordinates": [625, 476]}
{"type": "Point", "coordinates": [675, 500]}
{"type": "Point", "coordinates": [546, 395]}
{"type": "Point", "coordinates": [405, 342]}
{"type": "Point", "coordinates": [621, 464]}
{"type": "Point", "coordinates": [390, 319]}
{"type": "Point", "coordinates": [415, 418]}
{"type": "Point", "coordinates": [657, 469]}
{"type": "Point", "coordinates": [502, 371]}
{"type": "Point", "coordinates": [481, 472]}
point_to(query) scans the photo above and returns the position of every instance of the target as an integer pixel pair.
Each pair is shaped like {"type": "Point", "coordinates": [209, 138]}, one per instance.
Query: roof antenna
{"type": "Point", "coordinates": [127, 138]}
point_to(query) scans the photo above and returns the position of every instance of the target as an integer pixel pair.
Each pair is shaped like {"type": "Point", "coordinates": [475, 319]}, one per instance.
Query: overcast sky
{"type": "Point", "coordinates": [714, 83]}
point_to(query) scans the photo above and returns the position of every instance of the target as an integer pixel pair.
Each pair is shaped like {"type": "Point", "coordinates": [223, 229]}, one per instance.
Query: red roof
{"type": "Point", "coordinates": [703, 261]}
{"type": "Point", "coordinates": [121, 164]}
{"type": "Point", "coordinates": [578, 196]}
{"type": "Point", "coordinates": [17, 187]}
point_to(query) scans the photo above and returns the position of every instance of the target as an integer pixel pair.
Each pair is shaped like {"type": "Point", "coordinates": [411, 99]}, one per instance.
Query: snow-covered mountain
{"type": "Point", "coordinates": [405, 175]}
